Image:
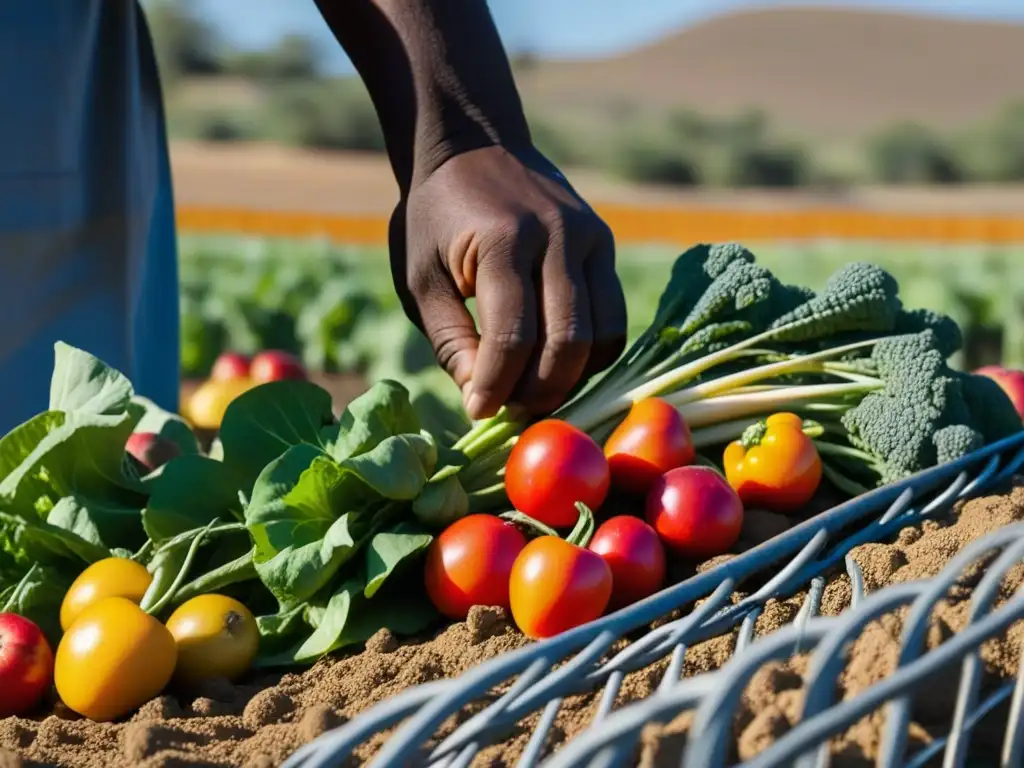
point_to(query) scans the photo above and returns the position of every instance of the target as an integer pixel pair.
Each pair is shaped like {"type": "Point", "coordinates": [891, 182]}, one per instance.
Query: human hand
{"type": "Point", "coordinates": [508, 229]}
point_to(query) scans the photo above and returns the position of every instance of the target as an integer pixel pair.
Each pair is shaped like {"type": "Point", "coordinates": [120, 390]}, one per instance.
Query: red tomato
{"type": "Point", "coordinates": [556, 586]}
{"type": "Point", "coordinates": [635, 555]}
{"type": "Point", "coordinates": [695, 512]}
{"type": "Point", "coordinates": [552, 466]}
{"type": "Point", "coordinates": [651, 440]}
{"type": "Point", "coordinates": [470, 563]}
{"type": "Point", "coordinates": [26, 665]}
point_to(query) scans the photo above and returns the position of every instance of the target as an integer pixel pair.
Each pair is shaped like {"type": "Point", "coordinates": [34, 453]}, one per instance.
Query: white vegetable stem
{"type": "Point", "coordinates": [731, 407]}
{"type": "Point", "coordinates": [592, 416]}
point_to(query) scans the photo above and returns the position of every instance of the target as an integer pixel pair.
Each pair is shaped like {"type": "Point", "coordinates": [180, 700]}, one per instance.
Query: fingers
{"type": "Point", "coordinates": [431, 300]}
{"type": "Point", "coordinates": [567, 331]}
{"type": "Point", "coordinates": [608, 303]}
{"type": "Point", "coordinates": [507, 306]}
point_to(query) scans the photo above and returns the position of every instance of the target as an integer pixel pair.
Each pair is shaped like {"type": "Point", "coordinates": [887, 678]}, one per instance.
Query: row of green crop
{"type": "Point", "coordinates": [335, 306]}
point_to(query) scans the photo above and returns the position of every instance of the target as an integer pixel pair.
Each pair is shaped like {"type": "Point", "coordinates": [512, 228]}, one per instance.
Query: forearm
{"type": "Point", "coordinates": [438, 76]}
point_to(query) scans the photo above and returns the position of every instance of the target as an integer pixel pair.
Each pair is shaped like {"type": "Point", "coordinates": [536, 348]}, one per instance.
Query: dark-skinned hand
{"type": "Point", "coordinates": [509, 230]}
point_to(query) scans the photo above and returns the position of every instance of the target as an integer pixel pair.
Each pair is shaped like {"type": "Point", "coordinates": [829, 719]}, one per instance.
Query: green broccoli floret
{"type": "Point", "coordinates": [741, 286]}
{"type": "Point", "coordinates": [857, 297]}
{"type": "Point", "coordinates": [691, 275]}
{"type": "Point", "coordinates": [956, 441]}
{"type": "Point", "coordinates": [920, 396]}
{"type": "Point", "coordinates": [949, 338]}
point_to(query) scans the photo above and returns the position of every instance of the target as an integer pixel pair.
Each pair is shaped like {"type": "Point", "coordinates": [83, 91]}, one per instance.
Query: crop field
{"type": "Point", "coordinates": [312, 554]}
{"type": "Point", "coordinates": [334, 304]}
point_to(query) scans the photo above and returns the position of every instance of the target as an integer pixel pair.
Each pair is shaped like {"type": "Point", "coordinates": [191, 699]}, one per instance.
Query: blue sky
{"type": "Point", "coordinates": [558, 28]}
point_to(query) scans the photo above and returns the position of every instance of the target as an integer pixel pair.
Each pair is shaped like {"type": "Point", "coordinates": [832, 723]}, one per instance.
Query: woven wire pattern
{"type": "Point", "coordinates": [542, 674]}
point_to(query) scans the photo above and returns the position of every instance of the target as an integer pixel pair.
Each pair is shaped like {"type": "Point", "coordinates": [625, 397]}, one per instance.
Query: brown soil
{"type": "Point", "coordinates": [275, 178]}
{"type": "Point", "coordinates": [262, 721]}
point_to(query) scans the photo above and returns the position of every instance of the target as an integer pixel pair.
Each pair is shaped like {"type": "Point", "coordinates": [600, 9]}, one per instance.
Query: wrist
{"type": "Point", "coordinates": [448, 125]}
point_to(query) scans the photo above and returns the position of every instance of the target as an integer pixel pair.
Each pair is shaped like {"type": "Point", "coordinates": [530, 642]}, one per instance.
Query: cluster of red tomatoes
{"type": "Point", "coordinates": [551, 584]}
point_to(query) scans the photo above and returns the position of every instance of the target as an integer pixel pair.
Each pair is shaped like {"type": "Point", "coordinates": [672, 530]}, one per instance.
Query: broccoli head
{"type": "Point", "coordinates": [920, 397]}
{"type": "Point", "coordinates": [948, 336]}
{"type": "Point", "coordinates": [956, 441]}
{"type": "Point", "coordinates": [857, 297]}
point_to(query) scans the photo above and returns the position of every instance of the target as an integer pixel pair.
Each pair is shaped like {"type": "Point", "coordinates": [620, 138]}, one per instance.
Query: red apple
{"type": "Point", "coordinates": [1010, 381]}
{"type": "Point", "coordinates": [26, 665]}
{"type": "Point", "coordinates": [275, 365]}
{"type": "Point", "coordinates": [230, 365]}
{"type": "Point", "coordinates": [151, 450]}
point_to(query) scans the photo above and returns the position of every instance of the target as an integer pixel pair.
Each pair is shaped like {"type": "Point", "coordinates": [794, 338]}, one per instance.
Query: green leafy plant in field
{"type": "Point", "coordinates": [306, 518]}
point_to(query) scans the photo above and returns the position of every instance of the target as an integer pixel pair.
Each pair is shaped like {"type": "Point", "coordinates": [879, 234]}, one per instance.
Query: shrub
{"type": "Point", "coordinates": [908, 153]}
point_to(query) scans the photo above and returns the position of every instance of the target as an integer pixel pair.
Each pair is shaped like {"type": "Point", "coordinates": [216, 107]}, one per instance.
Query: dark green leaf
{"type": "Point", "coordinates": [82, 453]}
{"type": "Point", "coordinates": [37, 596]}
{"type": "Point", "coordinates": [381, 412]}
{"type": "Point", "coordinates": [263, 423]}
{"type": "Point", "coordinates": [191, 491]}
{"type": "Point", "coordinates": [103, 523]}
{"type": "Point", "coordinates": [36, 541]}
{"type": "Point", "coordinates": [330, 624]}
{"type": "Point", "coordinates": [389, 549]}
{"type": "Point", "coordinates": [309, 514]}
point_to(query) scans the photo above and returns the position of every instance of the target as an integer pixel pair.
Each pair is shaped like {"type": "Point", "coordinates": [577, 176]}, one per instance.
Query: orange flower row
{"type": "Point", "coordinates": [680, 226]}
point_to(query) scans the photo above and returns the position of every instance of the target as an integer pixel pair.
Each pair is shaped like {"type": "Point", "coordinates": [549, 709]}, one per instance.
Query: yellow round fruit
{"type": "Point", "coordinates": [114, 659]}
{"type": "Point", "coordinates": [216, 636]}
{"type": "Point", "coordinates": [208, 403]}
{"type": "Point", "coordinates": [110, 577]}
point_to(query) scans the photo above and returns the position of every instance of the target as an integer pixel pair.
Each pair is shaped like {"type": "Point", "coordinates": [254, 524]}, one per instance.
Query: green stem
{"type": "Point", "coordinates": [193, 550]}
{"type": "Point", "coordinates": [535, 527]}
{"type": "Point", "coordinates": [846, 452]}
{"type": "Point", "coordinates": [234, 572]}
{"type": "Point", "coordinates": [584, 528]}
{"type": "Point", "coordinates": [487, 499]}
{"type": "Point", "coordinates": [487, 466]}
{"type": "Point", "coordinates": [143, 554]}
{"type": "Point", "coordinates": [841, 481]}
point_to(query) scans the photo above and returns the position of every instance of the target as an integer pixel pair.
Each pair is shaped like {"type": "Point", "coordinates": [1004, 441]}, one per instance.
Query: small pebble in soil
{"type": "Point", "coordinates": [317, 720]}
{"type": "Point", "coordinates": [158, 709]}
{"type": "Point", "coordinates": [266, 707]}
{"type": "Point", "coordinates": [142, 740]}
{"type": "Point", "coordinates": [205, 707]}
{"type": "Point", "coordinates": [484, 623]}
{"type": "Point", "coordinates": [217, 688]}
{"type": "Point", "coordinates": [383, 641]}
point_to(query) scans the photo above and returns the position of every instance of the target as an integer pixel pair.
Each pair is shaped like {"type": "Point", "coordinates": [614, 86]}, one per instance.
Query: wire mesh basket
{"type": "Point", "coordinates": [539, 676]}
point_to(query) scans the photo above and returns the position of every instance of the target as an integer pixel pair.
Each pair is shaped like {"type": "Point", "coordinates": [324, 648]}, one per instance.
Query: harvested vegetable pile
{"type": "Point", "coordinates": [259, 723]}
{"type": "Point", "coordinates": [151, 565]}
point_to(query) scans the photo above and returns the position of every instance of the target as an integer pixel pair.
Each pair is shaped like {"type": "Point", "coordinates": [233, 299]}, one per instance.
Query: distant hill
{"type": "Point", "coordinates": [824, 73]}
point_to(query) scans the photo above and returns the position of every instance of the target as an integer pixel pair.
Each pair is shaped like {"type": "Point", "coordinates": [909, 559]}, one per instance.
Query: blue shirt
{"type": "Point", "coordinates": [87, 242]}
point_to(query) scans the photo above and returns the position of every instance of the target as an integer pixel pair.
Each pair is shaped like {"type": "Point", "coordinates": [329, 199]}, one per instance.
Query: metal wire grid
{"type": "Point", "coordinates": [812, 549]}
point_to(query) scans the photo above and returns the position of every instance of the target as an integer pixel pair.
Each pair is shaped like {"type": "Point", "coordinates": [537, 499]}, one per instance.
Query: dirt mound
{"type": "Point", "coordinates": [258, 724]}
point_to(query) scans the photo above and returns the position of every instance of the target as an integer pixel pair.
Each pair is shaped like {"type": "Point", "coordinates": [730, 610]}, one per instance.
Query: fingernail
{"type": "Point", "coordinates": [474, 404]}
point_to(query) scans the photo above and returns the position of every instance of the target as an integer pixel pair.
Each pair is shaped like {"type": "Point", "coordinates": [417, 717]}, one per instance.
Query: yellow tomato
{"type": "Point", "coordinates": [216, 636]}
{"type": "Point", "coordinates": [208, 403]}
{"type": "Point", "coordinates": [114, 659]}
{"type": "Point", "coordinates": [111, 577]}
